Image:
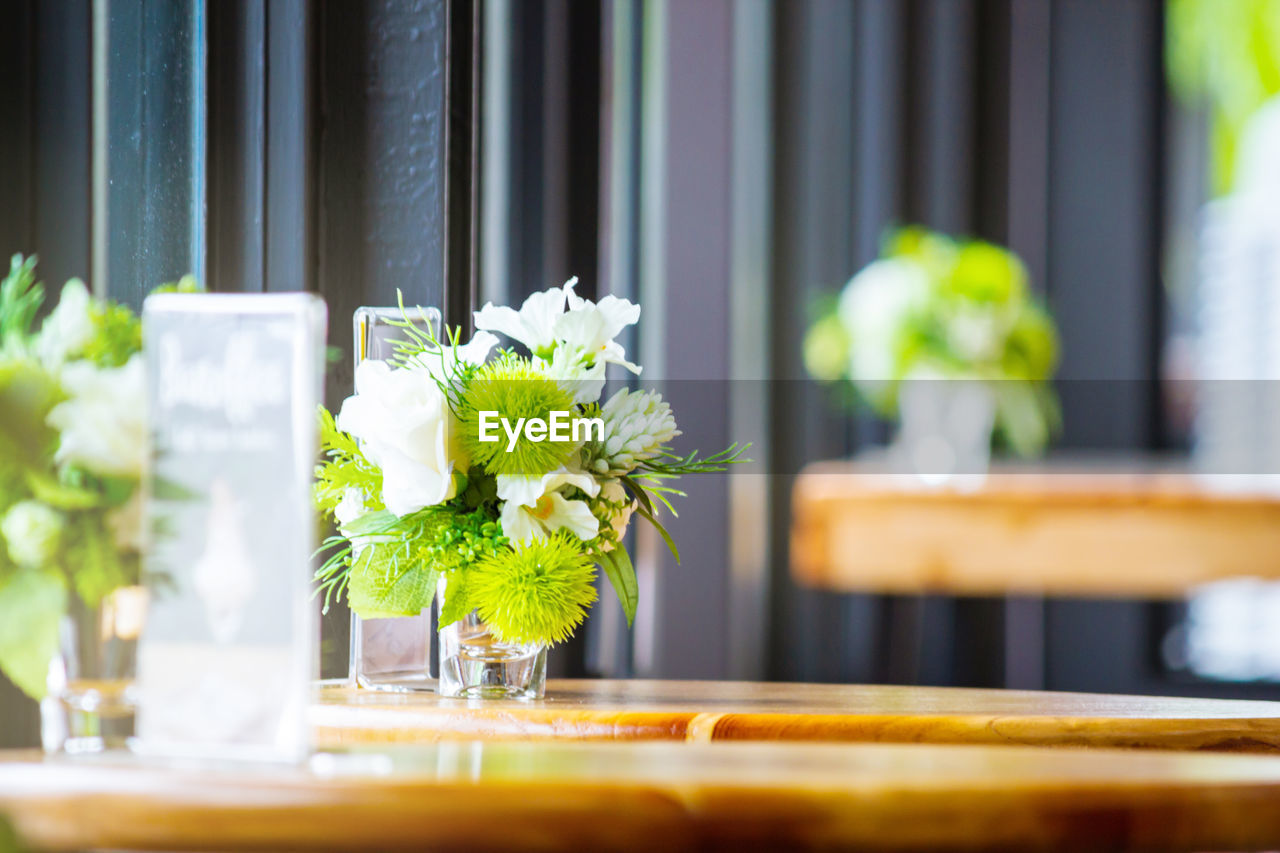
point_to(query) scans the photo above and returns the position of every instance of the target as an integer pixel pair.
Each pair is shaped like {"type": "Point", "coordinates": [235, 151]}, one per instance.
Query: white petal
{"type": "Point", "coordinates": [574, 516]}
{"type": "Point", "coordinates": [477, 349]}
{"type": "Point", "coordinates": [408, 486]}
{"type": "Point", "coordinates": [520, 490]}
{"type": "Point", "coordinates": [494, 318]}
{"type": "Point", "coordinates": [618, 314]}
{"type": "Point", "coordinates": [519, 526]}
{"type": "Point", "coordinates": [565, 477]}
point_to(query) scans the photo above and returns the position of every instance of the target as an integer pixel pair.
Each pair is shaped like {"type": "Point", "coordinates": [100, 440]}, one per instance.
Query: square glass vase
{"type": "Point", "coordinates": [395, 654]}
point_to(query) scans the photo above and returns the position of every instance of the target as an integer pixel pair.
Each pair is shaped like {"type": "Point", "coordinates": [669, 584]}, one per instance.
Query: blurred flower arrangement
{"type": "Point", "coordinates": [73, 447]}
{"type": "Point", "coordinates": [932, 308]}
{"type": "Point", "coordinates": [515, 527]}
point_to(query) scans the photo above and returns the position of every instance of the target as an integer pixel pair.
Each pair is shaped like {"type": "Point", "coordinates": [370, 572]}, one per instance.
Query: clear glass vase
{"type": "Point", "coordinates": [394, 654]}
{"type": "Point", "coordinates": [475, 664]}
{"type": "Point", "coordinates": [91, 701]}
{"type": "Point", "coordinates": [944, 431]}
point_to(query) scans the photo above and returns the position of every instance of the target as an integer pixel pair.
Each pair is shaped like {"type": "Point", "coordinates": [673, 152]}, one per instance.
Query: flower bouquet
{"type": "Point", "coordinates": [498, 480]}
{"type": "Point", "coordinates": [933, 309]}
{"type": "Point", "coordinates": [73, 447]}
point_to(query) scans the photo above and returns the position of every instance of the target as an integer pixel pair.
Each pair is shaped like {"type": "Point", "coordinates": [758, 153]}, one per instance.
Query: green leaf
{"type": "Point", "coordinates": [163, 489]}
{"type": "Point", "coordinates": [384, 583]}
{"type": "Point", "coordinates": [47, 489]}
{"type": "Point", "coordinates": [457, 603]}
{"type": "Point", "coordinates": [622, 575]}
{"type": "Point", "coordinates": [373, 524]}
{"type": "Point", "coordinates": [31, 607]}
{"type": "Point", "coordinates": [662, 531]}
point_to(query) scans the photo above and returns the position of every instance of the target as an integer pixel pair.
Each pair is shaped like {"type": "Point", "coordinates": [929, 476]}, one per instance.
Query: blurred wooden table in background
{"type": "Point", "coordinates": [624, 797]}
{"type": "Point", "coordinates": [1056, 529]}
{"type": "Point", "coordinates": [703, 711]}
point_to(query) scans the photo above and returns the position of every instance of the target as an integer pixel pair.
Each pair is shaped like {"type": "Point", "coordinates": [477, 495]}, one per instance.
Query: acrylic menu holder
{"type": "Point", "coordinates": [392, 654]}
{"type": "Point", "coordinates": [228, 657]}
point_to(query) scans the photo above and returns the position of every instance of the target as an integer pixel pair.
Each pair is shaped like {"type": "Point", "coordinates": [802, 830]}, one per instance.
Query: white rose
{"type": "Point", "coordinates": [405, 427]}
{"type": "Point", "coordinates": [68, 329]}
{"type": "Point", "coordinates": [32, 531]}
{"type": "Point", "coordinates": [103, 426]}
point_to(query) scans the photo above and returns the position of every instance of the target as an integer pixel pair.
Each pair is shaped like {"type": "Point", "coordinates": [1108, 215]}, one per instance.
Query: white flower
{"type": "Point", "coordinates": [405, 427]}
{"type": "Point", "coordinates": [572, 337]}
{"type": "Point", "coordinates": [585, 383]}
{"type": "Point", "coordinates": [69, 327]}
{"type": "Point", "coordinates": [588, 329]}
{"type": "Point", "coordinates": [874, 308]}
{"type": "Point", "coordinates": [32, 532]}
{"type": "Point", "coordinates": [533, 507]}
{"type": "Point", "coordinates": [636, 425]}
{"type": "Point", "coordinates": [103, 425]}
{"type": "Point", "coordinates": [534, 324]}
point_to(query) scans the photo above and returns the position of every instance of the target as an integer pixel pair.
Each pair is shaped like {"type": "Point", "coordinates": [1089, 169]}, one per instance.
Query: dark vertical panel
{"type": "Point", "coordinates": [1103, 266]}
{"type": "Point", "coordinates": [945, 111]}
{"type": "Point", "coordinates": [154, 189]}
{"type": "Point", "coordinates": [17, 143]}
{"type": "Point", "coordinates": [237, 144]}
{"type": "Point", "coordinates": [380, 160]}
{"type": "Point", "coordinates": [1029, 53]}
{"type": "Point", "coordinates": [692, 599]}
{"type": "Point", "coordinates": [880, 116]}
{"type": "Point", "coordinates": [1104, 261]}
{"type": "Point", "coordinates": [290, 143]}
{"type": "Point", "coordinates": [525, 254]}
{"type": "Point", "coordinates": [462, 162]}
{"type": "Point", "coordinates": [555, 139]}
{"type": "Point", "coordinates": [582, 174]}
{"type": "Point", "coordinates": [814, 239]}
{"type": "Point", "coordinates": [61, 112]}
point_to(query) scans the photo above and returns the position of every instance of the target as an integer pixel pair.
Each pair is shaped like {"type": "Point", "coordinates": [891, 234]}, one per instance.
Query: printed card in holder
{"type": "Point", "coordinates": [392, 654]}
{"type": "Point", "coordinates": [228, 658]}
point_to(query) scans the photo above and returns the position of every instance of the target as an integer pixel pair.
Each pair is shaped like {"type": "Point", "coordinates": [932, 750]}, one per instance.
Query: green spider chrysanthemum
{"type": "Point", "coordinates": [538, 593]}
{"type": "Point", "coordinates": [514, 389]}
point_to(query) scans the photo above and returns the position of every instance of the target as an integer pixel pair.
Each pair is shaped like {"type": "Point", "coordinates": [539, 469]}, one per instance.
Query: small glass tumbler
{"type": "Point", "coordinates": [476, 664]}
{"type": "Point", "coordinates": [91, 703]}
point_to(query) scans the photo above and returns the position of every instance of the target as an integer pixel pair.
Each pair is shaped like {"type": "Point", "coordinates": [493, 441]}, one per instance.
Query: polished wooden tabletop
{"type": "Point", "coordinates": [645, 796]}
{"type": "Point", "coordinates": [700, 711]}
{"type": "Point", "coordinates": [1066, 527]}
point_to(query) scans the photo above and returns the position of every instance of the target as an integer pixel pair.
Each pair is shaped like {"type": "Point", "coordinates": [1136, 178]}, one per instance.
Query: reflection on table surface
{"type": "Point", "coordinates": [630, 796]}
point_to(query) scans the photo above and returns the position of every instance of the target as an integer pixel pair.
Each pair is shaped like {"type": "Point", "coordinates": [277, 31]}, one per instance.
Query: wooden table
{"type": "Point", "coordinates": [702, 711]}
{"type": "Point", "coordinates": [659, 796]}
{"type": "Point", "coordinates": [1068, 528]}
